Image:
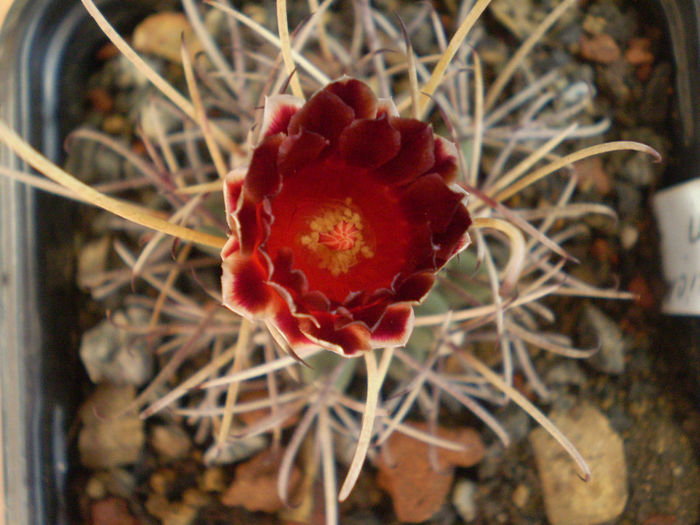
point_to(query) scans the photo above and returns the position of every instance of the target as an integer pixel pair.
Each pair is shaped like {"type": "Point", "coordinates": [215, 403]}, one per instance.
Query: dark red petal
{"type": "Point", "coordinates": [324, 113]}
{"type": "Point", "coordinates": [452, 239]}
{"type": "Point", "coordinates": [341, 317]}
{"type": "Point", "coordinates": [445, 159]}
{"type": "Point", "coordinates": [357, 95]}
{"type": "Point", "coordinates": [233, 185]}
{"type": "Point", "coordinates": [347, 341]}
{"type": "Point", "coordinates": [249, 230]}
{"type": "Point", "coordinates": [232, 246]}
{"type": "Point", "coordinates": [263, 179]}
{"type": "Point", "coordinates": [327, 185]}
{"type": "Point", "coordinates": [429, 200]}
{"type": "Point", "coordinates": [369, 143]}
{"type": "Point", "coordinates": [422, 251]}
{"type": "Point", "coordinates": [299, 149]}
{"type": "Point", "coordinates": [288, 325]}
{"type": "Point", "coordinates": [244, 286]}
{"type": "Point", "coordinates": [360, 300]}
{"type": "Point", "coordinates": [277, 113]}
{"type": "Point", "coordinates": [395, 327]}
{"type": "Point", "coordinates": [416, 155]}
{"type": "Point", "coordinates": [371, 314]}
{"type": "Point", "coordinates": [415, 287]}
{"type": "Point", "coordinates": [286, 276]}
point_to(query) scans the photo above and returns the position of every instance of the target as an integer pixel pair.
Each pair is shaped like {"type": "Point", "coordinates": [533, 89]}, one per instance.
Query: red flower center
{"type": "Point", "coordinates": [335, 238]}
{"type": "Point", "coordinates": [337, 260]}
{"type": "Point", "coordinates": [342, 237]}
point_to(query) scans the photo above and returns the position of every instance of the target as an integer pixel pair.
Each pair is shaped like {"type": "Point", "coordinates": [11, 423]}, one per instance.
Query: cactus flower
{"type": "Point", "coordinates": [341, 220]}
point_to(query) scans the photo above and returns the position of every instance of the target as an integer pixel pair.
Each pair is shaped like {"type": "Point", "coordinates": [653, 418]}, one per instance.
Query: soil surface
{"type": "Point", "coordinates": [639, 386]}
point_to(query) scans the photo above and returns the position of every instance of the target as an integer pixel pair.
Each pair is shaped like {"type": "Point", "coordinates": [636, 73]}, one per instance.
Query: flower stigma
{"type": "Point", "coordinates": [336, 238]}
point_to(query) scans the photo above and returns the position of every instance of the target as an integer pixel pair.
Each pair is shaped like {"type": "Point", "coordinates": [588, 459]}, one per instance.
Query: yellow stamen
{"type": "Point", "coordinates": [338, 238]}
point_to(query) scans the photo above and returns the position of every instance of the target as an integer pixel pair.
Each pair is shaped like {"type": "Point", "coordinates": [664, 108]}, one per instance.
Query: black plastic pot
{"type": "Point", "coordinates": [45, 55]}
{"type": "Point", "coordinates": [46, 48]}
{"type": "Point", "coordinates": [683, 26]}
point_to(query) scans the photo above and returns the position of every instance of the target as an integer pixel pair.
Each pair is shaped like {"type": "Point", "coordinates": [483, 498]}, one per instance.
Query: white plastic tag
{"type": "Point", "coordinates": [677, 211]}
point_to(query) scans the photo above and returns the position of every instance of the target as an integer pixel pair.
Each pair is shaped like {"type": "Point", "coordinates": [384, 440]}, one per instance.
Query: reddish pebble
{"type": "Point", "coordinates": [255, 484]}
{"type": "Point", "coordinates": [640, 287]}
{"type": "Point", "coordinates": [107, 52]}
{"type": "Point", "coordinates": [638, 52]}
{"type": "Point", "coordinates": [600, 48]}
{"type": "Point", "coordinates": [603, 252]}
{"type": "Point", "coordinates": [661, 519]}
{"type": "Point", "coordinates": [111, 511]}
{"type": "Point", "coordinates": [592, 175]}
{"type": "Point", "coordinates": [101, 100]}
{"type": "Point", "coordinates": [406, 472]}
{"type": "Point", "coordinates": [643, 72]}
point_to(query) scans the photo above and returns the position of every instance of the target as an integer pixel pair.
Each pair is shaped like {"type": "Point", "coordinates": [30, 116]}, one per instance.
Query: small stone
{"type": "Point", "coordinates": [92, 261]}
{"type": "Point", "coordinates": [179, 514]}
{"type": "Point", "coordinates": [575, 94]}
{"type": "Point", "coordinates": [516, 422]}
{"type": "Point", "coordinates": [255, 484]}
{"type": "Point", "coordinates": [568, 500]}
{"type": "Point", "coordinates": [111, 511]}
{"type": "Point", "coordinates": [521, 495]}
{"type": "Point", "coordinates": [639, 51]}
{"type": "Point", "coordinates": [599, 329]}
{"type": "Point", "coordinates": [417, 489]}
{"type": "Point", "coordinates": [95, 488]}
{"type": "Point", "coordinates": [162, 481]}
{"type": "Point", "coordinates": [157, 505]}
{"type": "Point", "coordinates": [160, 35]}
{"type": "Point", "coordinates": [235, 451]}
{"type": "Point", "coordinates": [592, 175]}
{"type": "Point", "coordinates": [108, 439]}
{"type": "Point", "coordinates": [115, 125]}
{"type": "Point", "coordinates": [115, 482]}
{"type": "Point", "coordinates": [468, 437]}
{"type": "Point", "coordinates": [195, 498]}
{"type": "Point", "coordinates": [600, 48]}
{"type": "Point", "coordinates": [109, 354]}
{"type": "Point", "coordinates": [100, 100]}
{"type": "Point", "coordinates": [107, 52]}
{"type": "Point", "coordinates": [464, 499]}
{"type": "Point", "coordinates": [170, 441]}
{"type": "Point", "coordinates": [213, 480]}
{"type": "Point", "coordinates": [119, 482]}
{"type": "Point", "coordinates": [594, 24]}
{"type": "Point", "coordinates": [629, 235]}
{"type": "Point", "coordinates": [639, 170]}
{"type": "Point", "coordinates": [639, 285]}
{"type": "Point", "coordinates": [167, 121]}
{"type": "Point", "coordinates": [629, 201]}
{"type": "Point", "coordinates": [565, 373]}
{"type": "Point", "coordinates": [491, 464]}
